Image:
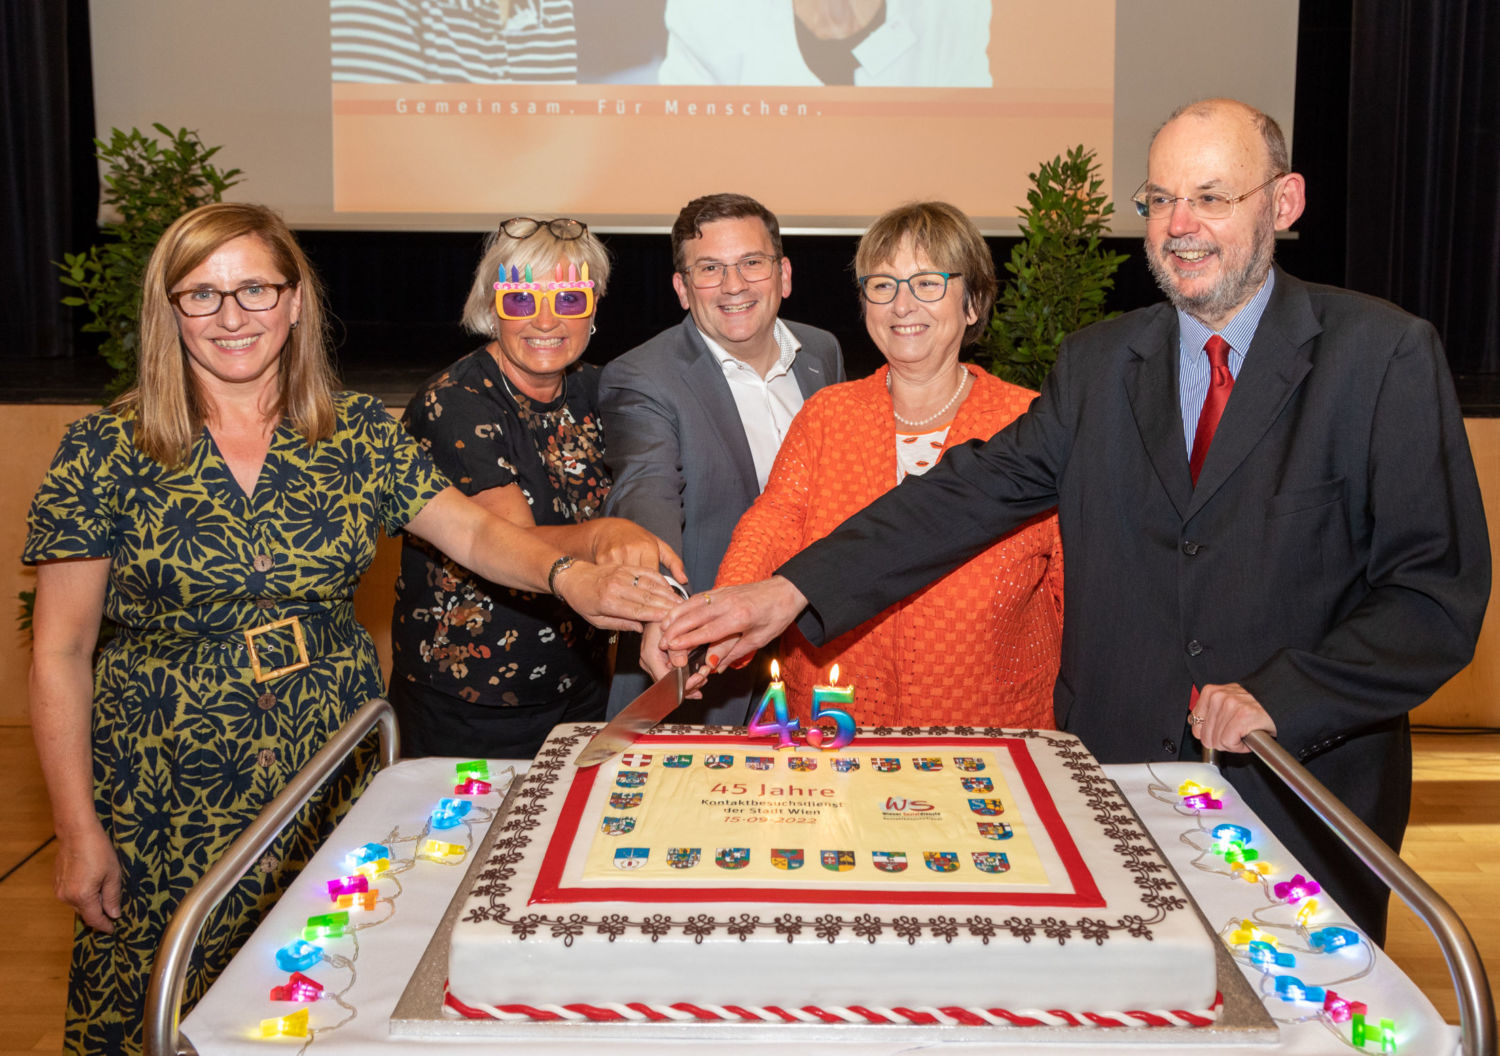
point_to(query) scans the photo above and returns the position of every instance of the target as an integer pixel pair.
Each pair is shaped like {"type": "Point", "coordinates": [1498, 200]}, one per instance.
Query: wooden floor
{"type": "Point", "coordinates": [1454, 842]}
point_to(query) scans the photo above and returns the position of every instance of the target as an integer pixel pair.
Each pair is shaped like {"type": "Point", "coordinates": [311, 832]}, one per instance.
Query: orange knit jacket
{"type": "Point", "coordinates": [979, 647]}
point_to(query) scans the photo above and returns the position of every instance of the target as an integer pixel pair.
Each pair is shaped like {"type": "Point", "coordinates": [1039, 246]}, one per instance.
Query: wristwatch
{"type": "Point", "coordinates": [566, 561]}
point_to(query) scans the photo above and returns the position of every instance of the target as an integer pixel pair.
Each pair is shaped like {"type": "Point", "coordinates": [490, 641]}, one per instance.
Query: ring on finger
{"type": "Point", "coordinates": [708, 599]}
{"type": "Point", "coordinates": [636, 581]}
{"type": "Point", "coordinates": [1196, 720]}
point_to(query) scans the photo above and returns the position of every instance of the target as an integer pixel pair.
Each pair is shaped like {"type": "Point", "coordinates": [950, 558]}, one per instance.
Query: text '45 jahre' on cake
{"type": "Point", "coordinates": [996, 875]}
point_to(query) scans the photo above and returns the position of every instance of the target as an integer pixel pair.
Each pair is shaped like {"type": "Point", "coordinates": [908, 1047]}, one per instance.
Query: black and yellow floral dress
{"type": "Point", "coordinates": [187, 746]}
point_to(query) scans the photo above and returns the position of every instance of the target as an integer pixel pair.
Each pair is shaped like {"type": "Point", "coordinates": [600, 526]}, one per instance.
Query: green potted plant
{"type": "Point", "coordinates": [149, 184]}
{"type": "Point", "coordinates": [1059, 272]}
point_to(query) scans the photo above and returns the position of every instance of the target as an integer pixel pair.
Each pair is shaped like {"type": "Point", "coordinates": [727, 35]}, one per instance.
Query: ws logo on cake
{"type": "Point", "coordinates": [906, 807]}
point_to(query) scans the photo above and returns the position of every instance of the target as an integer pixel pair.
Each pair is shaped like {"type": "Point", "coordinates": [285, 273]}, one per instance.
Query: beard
{"type": "Point", "coordinates": [1240, 273]}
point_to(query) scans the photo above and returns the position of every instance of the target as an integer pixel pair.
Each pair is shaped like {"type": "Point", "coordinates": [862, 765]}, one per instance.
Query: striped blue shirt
{"type": "Point", "coordinates": [1193, 371]}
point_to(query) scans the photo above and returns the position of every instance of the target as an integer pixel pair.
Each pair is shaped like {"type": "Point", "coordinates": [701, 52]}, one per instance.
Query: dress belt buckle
{"type": "Point", "coordinates": [297, 636]}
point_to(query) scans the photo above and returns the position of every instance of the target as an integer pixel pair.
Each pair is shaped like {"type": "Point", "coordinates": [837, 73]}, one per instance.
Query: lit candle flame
{"type": "Point", "coordinates": [833, 675]}
{"type": "Point", "coordinates": [775, 671]}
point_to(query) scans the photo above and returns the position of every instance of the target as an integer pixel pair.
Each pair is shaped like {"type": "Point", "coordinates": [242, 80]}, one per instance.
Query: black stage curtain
{"type": "Point", "coordinates": [1396, 128]}
{"type": "Point", "coordinates": [49, 186]}
{"type": "Point", "coordinates": [1424, 167]}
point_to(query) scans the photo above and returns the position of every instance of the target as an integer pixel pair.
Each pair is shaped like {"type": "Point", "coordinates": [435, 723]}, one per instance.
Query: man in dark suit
{"type": "Point", "coordinates": [1316, 570]}
{"type": "Point", "coordinates": [694, 417]}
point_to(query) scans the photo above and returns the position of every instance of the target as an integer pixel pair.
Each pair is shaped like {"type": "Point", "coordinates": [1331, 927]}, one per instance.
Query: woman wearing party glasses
{"type": "Point", "coordinates": [980, 647]}
{"type": "Point", "coordinates": [483, 670]}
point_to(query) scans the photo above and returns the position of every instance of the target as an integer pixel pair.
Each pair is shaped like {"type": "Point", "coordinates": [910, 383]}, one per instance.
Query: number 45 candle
{"type": "Point", "coordinates": [843, 723]}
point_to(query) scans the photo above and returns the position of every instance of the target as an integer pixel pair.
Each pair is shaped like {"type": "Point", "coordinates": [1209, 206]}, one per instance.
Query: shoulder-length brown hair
{"type": "Point", "coordinates": [168, 405]}
{"type": "Point", "coordinates": [946, 237]}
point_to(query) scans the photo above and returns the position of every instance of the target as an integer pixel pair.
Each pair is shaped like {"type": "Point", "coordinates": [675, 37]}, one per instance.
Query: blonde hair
{"type": "Point", "coordinates": [946, 237]}
{"type": "Point", "coordinates": [540, 251]}
{"type": "Point", "coordinates": [167, 402]}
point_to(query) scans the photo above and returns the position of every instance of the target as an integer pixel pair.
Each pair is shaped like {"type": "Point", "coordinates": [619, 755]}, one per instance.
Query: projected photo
{"type": "Point", "coordinates": [914, 43]}
{"type": "Point", "coordinates": [454, 41]}
{"type": "Point", "coordinates": [622, 110]}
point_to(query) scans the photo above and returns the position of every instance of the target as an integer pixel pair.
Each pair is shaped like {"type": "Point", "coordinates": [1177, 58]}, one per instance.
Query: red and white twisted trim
{"type": "Point", "coordinates": [683, 1012]}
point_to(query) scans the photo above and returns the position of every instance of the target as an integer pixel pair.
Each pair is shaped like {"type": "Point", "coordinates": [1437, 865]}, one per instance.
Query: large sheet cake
{"type": "Point", "coordinates": [992, 874]}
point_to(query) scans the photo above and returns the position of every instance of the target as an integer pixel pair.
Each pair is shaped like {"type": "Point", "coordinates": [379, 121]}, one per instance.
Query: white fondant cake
{"type": "Point", "coordinates": [914, 876]}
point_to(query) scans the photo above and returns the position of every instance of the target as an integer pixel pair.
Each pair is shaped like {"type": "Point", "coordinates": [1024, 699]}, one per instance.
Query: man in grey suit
{"type": "Point", "coordinates": [694, 417]}
{"type": "Point", "coordinates": [1314, 566]}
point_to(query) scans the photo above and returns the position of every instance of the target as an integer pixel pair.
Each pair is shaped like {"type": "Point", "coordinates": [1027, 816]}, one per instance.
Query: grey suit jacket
{"type": "Point", "coordinates": [682, 468]}
{"type": "Point", "coordinates": [1333, 558]}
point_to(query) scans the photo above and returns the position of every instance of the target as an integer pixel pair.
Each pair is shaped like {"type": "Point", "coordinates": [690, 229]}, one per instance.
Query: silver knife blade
{"type": "Point", "coordinates": [640, 715]}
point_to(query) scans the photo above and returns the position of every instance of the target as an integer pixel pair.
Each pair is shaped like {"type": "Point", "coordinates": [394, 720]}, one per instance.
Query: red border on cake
{"type": "Point", "coordinates": [1085, 892]}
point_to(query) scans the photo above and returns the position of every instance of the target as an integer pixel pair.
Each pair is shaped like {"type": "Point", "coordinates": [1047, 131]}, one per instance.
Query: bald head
{"type": "Point", "coordinates": [1278, 159]}
{"type": "Point", "coordinates": [1211, 154]}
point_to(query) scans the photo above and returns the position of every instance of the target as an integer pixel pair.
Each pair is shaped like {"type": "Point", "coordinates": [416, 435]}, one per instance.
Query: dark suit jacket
{"type": "Point", "coordinates": [1333, 557]}
{"type": "Point", "coordinates": [682, 467]}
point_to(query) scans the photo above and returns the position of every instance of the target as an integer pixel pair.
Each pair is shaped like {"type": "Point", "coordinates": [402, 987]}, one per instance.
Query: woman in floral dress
{"type": "Point", "coordinates": [228, 502]}
{"type": "Point", "coordinates": [480, 669]}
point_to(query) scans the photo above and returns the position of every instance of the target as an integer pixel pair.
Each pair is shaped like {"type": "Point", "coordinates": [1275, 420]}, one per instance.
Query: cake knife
{"type": "Point", "coordinates": [645, 711]}
{"type": "Point", "coordinates": [641, 714]}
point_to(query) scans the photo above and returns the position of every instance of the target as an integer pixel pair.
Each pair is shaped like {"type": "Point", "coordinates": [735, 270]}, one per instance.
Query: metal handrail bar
{"type": "Point", "coordinates": [1476, 1008]}
{"type": "Point", "coordinates": [169, 973]}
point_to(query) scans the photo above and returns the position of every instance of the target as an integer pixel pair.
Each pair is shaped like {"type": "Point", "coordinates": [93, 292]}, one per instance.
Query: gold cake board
{"type": "Point", "coordinates": [420, 1013]}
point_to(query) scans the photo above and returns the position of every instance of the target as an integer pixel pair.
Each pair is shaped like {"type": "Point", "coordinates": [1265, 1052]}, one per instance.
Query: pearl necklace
{"type": "Point", "coordinates": [963, 376]}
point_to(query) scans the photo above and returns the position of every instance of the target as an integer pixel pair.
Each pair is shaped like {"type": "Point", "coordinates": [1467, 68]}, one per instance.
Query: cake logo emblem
{"type": "Point", "coordinates": [968, 763]}
{"type": "Point", "coordinates": [987, 807]}
{"type": "Point", "coordinates": [941, 861]}
{"type": "Point", "coordinates": [635, 759]}
{"type": "Point", "coordinates": [994, 830]}
{"type": "Point", "coordinates": [837, 861]}
{"type": "Point", "coordinates": [677, 762]}
{"type": "Point", "coordinates": [631, 857]}
{"type": "Point", "coordinates": [617, 826]}
{"type": "Point", "coordinates": [637, 778]}
{"type": "Point", "coordinates": [625, 800]}
{"type": "Point", "coordinates": [802, 764]}
{"type": "Point", "coordinates": [889, 861]}
{"type": "Point", "coordinates": [886, 766]}
{"type": "Point", "coordinates": [718, 762]}
{"type": "Point", "coordinates": [786, 858]}
{"type": "Point", "coordinates": [732, 857]}
{"type": "Point", "coordinates": [991, 862]}
{"type": "Point", "coordinates": [932, 764]}
{"type": "Point", "coordinates": [843, 766]}
{"type": "Point", "coordinates": [971, 784]}
{"type": "Point", "coordinates": [759, 762]}
{"type": "Point", "coordinates": [683, 857]}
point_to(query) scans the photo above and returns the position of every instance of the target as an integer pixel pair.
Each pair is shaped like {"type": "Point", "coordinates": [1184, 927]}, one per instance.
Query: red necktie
{"type": "Point", "coordinates": [1219, 387]}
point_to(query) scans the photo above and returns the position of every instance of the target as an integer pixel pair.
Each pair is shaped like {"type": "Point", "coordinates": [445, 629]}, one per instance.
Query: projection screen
{"type": "Point", "coordinates": [443, 114]}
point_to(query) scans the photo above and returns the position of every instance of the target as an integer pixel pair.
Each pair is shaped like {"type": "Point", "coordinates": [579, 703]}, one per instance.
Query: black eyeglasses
{"type": "Point", "coordinates": [924, 286]}
{"type": "Point", "coordinates": [253, 297]}
{"type": "Point", "coordinates": [1153, 205]}
{"type": "Point", "coordinates": [563, 228]}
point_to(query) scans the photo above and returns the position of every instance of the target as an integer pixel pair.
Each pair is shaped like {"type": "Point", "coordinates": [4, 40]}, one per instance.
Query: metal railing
{"type": "Point", "coordinates": [1476, 1008]}
{"type": "Point", "coordinates": [169, 973]}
